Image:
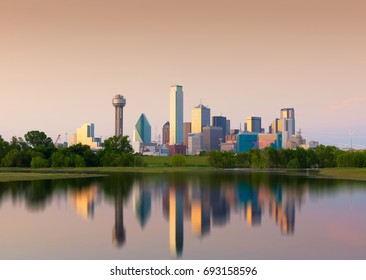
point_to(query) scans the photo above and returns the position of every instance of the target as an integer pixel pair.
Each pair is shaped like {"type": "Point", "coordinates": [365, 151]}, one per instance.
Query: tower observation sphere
{"type": "Point", "coordinates": [119, 102]}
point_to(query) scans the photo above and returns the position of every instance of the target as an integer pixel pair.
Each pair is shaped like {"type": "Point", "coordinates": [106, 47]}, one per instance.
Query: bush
{"type": "Point", "coordinates": [13, 159]}
{"type": "Point", "coordinates": [38, 162]}
{"type": "Point", "coordinates": [178, 160]}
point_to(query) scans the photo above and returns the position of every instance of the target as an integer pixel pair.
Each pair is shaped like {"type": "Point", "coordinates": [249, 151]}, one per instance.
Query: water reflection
{"type": "Point", "coordinates": [205, 201]}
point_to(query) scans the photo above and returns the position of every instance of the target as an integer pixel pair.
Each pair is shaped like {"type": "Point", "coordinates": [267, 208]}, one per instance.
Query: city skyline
{"type": "Point", "coordinates": [240, 58]}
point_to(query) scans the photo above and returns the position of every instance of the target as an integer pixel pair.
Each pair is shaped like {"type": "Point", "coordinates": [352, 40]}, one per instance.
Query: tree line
{"type": "Point", "coordinates": [37, 150]}
{"type": "Point", "coordinates": [320, 157]}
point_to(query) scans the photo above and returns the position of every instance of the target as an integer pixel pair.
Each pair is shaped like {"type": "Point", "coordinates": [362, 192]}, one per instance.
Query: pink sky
{"type": "Point", "coordinates": [63, 61]}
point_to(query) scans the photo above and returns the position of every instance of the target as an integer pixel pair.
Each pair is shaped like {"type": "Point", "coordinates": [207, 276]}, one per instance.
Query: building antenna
{"type": "Point", "coordinates": [351, 134]}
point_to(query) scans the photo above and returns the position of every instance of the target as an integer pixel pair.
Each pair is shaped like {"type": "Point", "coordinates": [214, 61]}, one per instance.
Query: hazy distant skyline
{"type": "Point", "coordinates": [62, 62]}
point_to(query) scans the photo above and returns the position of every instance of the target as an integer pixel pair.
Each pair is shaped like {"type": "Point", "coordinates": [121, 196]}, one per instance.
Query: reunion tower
{"type": "Point", "coordinates": [119, 102]}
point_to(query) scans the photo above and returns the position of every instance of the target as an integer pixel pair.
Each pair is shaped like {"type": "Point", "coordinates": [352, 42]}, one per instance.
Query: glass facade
{"type": "Point", "coordinates": [200, 118]}
{"type": "Point", "coordinates": [142, 132]}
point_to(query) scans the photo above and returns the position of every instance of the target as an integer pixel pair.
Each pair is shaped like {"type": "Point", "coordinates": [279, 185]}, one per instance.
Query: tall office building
{"type": "Point", "coordinates": [219, 121]}
{"type": "Point", "coordinates": [254, 124]}
{"type": "Point", "coordinates": [176, 115]}
{"type": "Point", "coordinates": [227, 127]}
{"type": "Point", "coordinates": [212, 138]}
{"type": "Point", "coordinates": [176, 221]}
{"type": "Point", "coordinates": [187, 128]}
{"type": "Point", "coordinates": [85, 135]}
{"type": "Point", "coordinates": [275, 126]}
{"type": "Point", "coordinates": [166, 132]}
{"type": "Point", "coordinates": [118, 102]}
{"type": "Point", "coordinates": [200, 118]}
{"type": "Point", "coordinates": [288, 125]}
{"type": "Point", "coordinates": [142, 131]}
{"type": "Point", "coordinates": [195, 143]}
{"type": "Point", "coordinates": [289, 113]}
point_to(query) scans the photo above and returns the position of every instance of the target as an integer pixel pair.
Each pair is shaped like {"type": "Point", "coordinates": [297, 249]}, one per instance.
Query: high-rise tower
{"type": "Point", "coordinates": [142, 131]}
{"type": "Point", "coordinates": [200, 118]}
{"type": "Point", "coordinates": [176, 115]}
{"type": "Point", "coordinates": [119, 102]}
{"type": "Point", "coordinates": [289, 113]}
{"type": "Point", "coordinates": [254, 124]}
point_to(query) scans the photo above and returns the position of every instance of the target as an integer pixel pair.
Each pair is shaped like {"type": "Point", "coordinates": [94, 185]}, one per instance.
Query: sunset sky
{"type": "Point", "coordinates": [61, 63]}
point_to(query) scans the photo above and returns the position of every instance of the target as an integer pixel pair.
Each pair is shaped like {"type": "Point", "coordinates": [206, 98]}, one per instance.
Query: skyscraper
{"type": "Point", "coordinates": [187, 128]}
{"type": "Point", "coordinates": [166, 132]}
{"type": "Point", "coordinates": [254, 124]}
{"type": "Point", "coordinates": [219, 121]}
{"type": "Point", "coordinates": [288, 124]}
{"type": "Point", "coordinates": [200, 118]}
{"type": "Point", "coordinates": [211, 138]}
{"type": "Point", "coordinates": [289, 113]}
{"type": "Point", "coordinates": [176, 115]}
{"type": "Point", "coordinates": [142, 131]}
{"type": "Point", "coordinates": [85, 135]}
{"type": "Point", "coordinates": [118, 102]}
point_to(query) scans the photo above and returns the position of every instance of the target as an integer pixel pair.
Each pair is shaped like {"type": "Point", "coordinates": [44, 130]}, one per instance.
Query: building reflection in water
{"type": "Point", "coordinates": [204, 206]}
{"type": "Point", "coordinates": [200, 211]}
{"type": "Point", "coordinates": [142, 205]}
{"type": "Point", "coordinates": [248, 197]}
{"type": "Point", "coordinates": [176, 221]}
{"type": "Point", "coordinates": [119, 232]}
{"type": "Point", "coordinates": [84, 201]}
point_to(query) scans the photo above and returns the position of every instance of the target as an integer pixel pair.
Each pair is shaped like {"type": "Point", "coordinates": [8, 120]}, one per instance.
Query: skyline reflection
{"type": "Point", "coordinates": [191, 207]}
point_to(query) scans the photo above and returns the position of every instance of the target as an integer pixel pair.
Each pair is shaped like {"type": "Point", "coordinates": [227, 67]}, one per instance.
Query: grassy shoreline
{"type": "Point", "coordinates": [27, 174]}
{"type": "Point", "coordinates": [30, 176]}
{"type": "Point", "coordinates": [344, 173]}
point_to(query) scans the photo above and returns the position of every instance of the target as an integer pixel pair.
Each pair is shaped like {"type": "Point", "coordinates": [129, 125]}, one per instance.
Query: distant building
{"type": "Point", "coordinates": [288, 124]}
{"type": "Point", "coordinates": [176, 115]}
{"type": "Point", "coordinates": [200, 118]}
{"type": "Point", "coordinates": [211, 138]}
{"type": "Point", "coordinates": [276, 126]}
{"type": "Point", "coordinates": [231, 138]}
{"type": "Point", "coordinates": [270, 140]}
{"type": "Point", "coordinates": [195, 143]}
{"type": "Point", "coordinates": [219, 121]}
{"type": "Point", "coordinates": [249, 140]}
{"type": "Point", "coordinates": [254, 124]}
{"type": "Point", "coordinates": [118, 102]}
{"type": "Point", "coordinates": [142, 131]}
{"type": "Point", "coordinates": [150, 149]}
{"type": "Point", "coordinates": [187, 128]}
{"type": "Point", "coordinates": [234, 131]}
{"type": "Point", "coordinates": [228, 147]}
{"type": "Point", "coordinates": [227, 127]}
{"type": "Point", "coordinates": [85, 135]}
{"type": "Point", "coordinates": [296, 141]}
{"type": "Point", "coordinates": [289, 113]}
{"type": "Point", "coordinates": [166, 132]}
{"type": "Point", "coordinates": [177, 149]}
{"type": "Point", "coordinates": [246, 141]}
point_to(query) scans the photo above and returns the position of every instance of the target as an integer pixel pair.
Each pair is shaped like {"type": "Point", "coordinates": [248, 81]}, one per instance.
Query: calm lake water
{"type": "Point", "coordinates": [227, 215]}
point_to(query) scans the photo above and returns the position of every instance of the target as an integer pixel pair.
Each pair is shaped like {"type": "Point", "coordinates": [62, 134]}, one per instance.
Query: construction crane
{"type": "Point", "coordinates": [57, 139]}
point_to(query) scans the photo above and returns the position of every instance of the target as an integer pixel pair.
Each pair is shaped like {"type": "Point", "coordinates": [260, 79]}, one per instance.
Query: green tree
{"type": "Point", "coordinates": [270, 156]}
{"type": "Point", "coordinates": [178, 160]}
{"type": "Point", "coordinates": [4, 148]}
{"type": "Point", "coordinates": [38, 162]}
{"type": "Point", "coordinates": [14, 158]}
{"type": "Point", "coordinates": [58, 159]}
{"type": "Point", "coordinates": [37, 138]}
{"type": "Point", "coordinates": [79, 161]}
{"type": "Point", "coordinates": [243, 160]}
{"type": "Point", "coordinates": [118, 144]}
